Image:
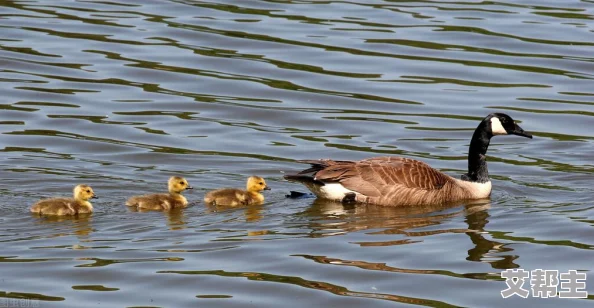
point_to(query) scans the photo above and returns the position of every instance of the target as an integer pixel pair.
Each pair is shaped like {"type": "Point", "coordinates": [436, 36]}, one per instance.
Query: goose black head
{"type": "Point", "coordinates": [502, 124]}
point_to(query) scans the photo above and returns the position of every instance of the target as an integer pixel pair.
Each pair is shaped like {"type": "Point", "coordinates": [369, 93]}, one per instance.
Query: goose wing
{"type": "Point", "coordinates": [378, 176]}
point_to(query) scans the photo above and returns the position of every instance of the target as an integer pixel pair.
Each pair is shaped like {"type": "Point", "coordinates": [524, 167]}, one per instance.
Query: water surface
{"type": "Point", "coordinates": [123, 94]}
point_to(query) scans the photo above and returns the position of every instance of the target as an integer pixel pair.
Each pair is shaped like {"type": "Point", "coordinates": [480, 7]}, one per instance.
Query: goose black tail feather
{"type": "Point", "coordinates": [302, 178]}
{"type": "Point", "coordinates": [319, 164]}
{"type": "Point", "coordinates": [316, 165]}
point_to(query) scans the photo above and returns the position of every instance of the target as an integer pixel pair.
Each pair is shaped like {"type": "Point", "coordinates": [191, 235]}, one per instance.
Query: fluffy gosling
{"type": "Point", "coordinates": [67, 206]}
{"type": "Point", "coordinates": [235, 197]}
{"type": "Point", "coordinates": [173, 199]}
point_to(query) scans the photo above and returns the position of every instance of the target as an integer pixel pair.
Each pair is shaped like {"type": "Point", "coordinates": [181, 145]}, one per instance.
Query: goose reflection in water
{"type": "Point", "coordinates": [328, 218]}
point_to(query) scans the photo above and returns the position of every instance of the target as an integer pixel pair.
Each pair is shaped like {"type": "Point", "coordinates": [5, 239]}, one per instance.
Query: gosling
{"type": "Point", "coordinates": [235, 197]}
{"type": "Point", "coordinates": [173, 199]}
{"type": "Point", "coordinates": [67, 206]}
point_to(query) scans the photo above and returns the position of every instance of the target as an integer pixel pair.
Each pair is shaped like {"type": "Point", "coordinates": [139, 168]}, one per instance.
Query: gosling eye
{"type": "Point", "coordinates": [88, 191]}
{"type": "Point", "coordinates": [182, 183]}
{"type": "Point", "coordinates": [261, 183]}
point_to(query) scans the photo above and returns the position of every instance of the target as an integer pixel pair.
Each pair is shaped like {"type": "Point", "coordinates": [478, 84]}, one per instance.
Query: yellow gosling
{"type": "Point", "coordinates": [67, 206]}
{"type": "Point", "coordinates": [173, 199]}
{"type": "Point", "coordinates": [235, 197]}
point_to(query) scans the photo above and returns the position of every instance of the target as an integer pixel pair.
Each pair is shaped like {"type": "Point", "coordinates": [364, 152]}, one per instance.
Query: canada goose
{"type": "Point", "coordinates": [235, 197]}
{"type": "Point", "coordinates": [173, 199]}
{"type": "Point", "coordinates": [397, 181]}
{"type": "Point", "coordinates": [79, 204]}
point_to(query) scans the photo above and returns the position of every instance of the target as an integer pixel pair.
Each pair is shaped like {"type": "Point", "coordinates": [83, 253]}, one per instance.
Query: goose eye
{"type": "Point", "coordinates": [88, 191]}
{"type": "Point", "coordinates": [261, 183]}
{"type": "Point", "coordinates": [182, 183]}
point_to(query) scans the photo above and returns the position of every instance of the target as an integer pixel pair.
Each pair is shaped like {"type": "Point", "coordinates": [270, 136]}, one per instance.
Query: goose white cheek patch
{"type": "Point", "coordinates": [497, 128]}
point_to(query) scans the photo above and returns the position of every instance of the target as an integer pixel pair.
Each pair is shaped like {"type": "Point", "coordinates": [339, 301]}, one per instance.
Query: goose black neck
{"type": "Point", "coordinates": [477, 161]}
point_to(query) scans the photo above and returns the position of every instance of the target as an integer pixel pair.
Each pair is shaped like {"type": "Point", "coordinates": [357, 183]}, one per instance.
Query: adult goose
{"type": "Point", "coordinates": [398, 181]}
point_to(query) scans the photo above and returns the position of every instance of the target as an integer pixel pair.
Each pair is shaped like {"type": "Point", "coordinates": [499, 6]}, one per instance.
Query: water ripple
{"type": "Point", "coordinates": [122, 95]}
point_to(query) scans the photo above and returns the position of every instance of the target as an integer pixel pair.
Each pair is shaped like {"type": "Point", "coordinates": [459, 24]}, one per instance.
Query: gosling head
{"type": "Point", "coordinates": [84, 193]}
{"type": "Point", "coordinates": [177, 184]}
{"type": "Point", "coordinates": [502, 124]}
{"type": "Point", "coordinates": [256, 184]}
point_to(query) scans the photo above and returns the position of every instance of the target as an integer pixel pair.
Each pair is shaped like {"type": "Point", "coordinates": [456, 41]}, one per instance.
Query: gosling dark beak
{"type": "Point", "coordinates": [267, 188]}
{"type": "Point", "coordinates": [189, 187]}
{"type": "Point", "coordinates": [95, 197]}
{"type": "Point", "coordinates": [520, 132]}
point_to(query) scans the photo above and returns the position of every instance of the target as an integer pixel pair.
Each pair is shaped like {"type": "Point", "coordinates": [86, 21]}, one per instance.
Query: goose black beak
{"type": "Point", "coordinates": [267, 188]}
{"type": "Point", "coordinates": [95, 197]}
{"type": "Point", "coordinates": [520, 132]}
{"type": "Point", "coordinates": [189, 187]}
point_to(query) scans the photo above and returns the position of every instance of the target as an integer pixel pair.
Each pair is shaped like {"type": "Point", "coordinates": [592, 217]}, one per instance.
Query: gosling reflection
{"type": "Point", "coordinates": [252, 213]}
{"type": "Point", "coordinates": [56, 226]}
{"type": "Point", "coordinates": [176, 219]}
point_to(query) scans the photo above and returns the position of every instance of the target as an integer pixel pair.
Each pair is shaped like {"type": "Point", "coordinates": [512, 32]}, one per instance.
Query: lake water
{"type": "Point", "coordinates": [121, 95]}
